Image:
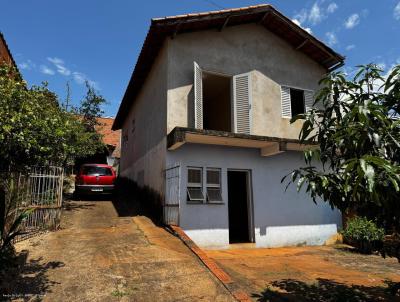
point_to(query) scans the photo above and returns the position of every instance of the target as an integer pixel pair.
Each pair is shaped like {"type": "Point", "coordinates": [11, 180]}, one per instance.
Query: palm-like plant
{"type": "Point", "coordinates": [12, 194]}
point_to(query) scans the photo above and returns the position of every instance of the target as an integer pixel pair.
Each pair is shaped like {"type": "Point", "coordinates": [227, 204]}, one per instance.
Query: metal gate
{"type": "Point", "coordinates": [41, 190]}
{"type": "Point", "coordinates": [172, 193]}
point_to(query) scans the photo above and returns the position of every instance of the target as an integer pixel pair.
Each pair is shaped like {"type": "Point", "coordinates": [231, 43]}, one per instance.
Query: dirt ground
{"type": "Point", "coordinates": [326, 273]}
{"type": "Point", "coordinates": [100, 255]}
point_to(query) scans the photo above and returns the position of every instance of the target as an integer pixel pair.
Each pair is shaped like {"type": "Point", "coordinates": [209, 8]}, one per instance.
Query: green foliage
{"type": "Point", "coordinates": [363, 233]}
{"type": "Point", "coordinates": [90, 108]}
{"type": "Point", "coordinates": [11, 192]}
{"type": "Point", "coordinates": [36, 130]}
{"type": "Point", "coordinates": [358, 133]}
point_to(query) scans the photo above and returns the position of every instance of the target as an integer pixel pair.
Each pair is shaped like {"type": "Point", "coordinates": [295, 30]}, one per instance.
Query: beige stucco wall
{"type": "Point", "coordinates": [145, 149]}
{"type": "Point", "coordinates": [235, 50]}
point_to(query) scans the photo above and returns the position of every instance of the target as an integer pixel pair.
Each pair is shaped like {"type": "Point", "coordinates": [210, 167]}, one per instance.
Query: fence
{"type": "Point", "coordinates": [41, 190]}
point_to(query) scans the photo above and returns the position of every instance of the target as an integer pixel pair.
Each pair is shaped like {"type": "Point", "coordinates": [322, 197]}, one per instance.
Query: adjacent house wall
{"type": "Point", "coordinates": [281, 218]}
{"type": "Point", "coordinates": [143, 133]}
{"type": "Point", "coordinates": [235, 50]}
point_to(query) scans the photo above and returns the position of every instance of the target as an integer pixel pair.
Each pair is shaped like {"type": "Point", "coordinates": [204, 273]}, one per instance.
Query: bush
{"type": "Point", "coordinates": [363, 234]}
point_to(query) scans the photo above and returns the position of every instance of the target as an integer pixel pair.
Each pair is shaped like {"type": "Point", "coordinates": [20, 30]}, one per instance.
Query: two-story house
{"type": "Point", "coordinates": [206, 123]}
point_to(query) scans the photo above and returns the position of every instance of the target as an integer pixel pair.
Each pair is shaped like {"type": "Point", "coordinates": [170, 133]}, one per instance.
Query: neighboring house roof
{"type": "Point", "coordinates": [5, 53]}
{"type": "Point", "coordinates": [263, 14]}
{"type": "Point", "coordinates": [110, 137]}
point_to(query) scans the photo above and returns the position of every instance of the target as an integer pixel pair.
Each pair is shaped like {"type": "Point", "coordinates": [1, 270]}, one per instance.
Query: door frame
{"type": "Point", "coordinates": [250, 204]}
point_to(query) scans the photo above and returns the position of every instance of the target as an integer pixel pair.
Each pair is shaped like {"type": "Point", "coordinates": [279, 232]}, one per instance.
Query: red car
{"type": "Point", "coordinates": [95, 179]}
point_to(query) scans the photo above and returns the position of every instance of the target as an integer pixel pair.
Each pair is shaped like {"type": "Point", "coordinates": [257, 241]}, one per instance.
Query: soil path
{"type": "Point", "coordinates": [99, 255]}
{"type": "Point", "coordinates": [318, 273]}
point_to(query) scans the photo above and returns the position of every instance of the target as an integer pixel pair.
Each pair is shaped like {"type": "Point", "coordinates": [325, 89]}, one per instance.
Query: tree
{"type": "Point", "coordinates": [358, 133]}
{"type": "Point", "coordinates": [36, 130]}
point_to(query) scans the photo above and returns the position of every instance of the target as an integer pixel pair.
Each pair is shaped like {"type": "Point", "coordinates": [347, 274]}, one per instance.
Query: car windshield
{"type": "Point", "coordinates": [97, 171]}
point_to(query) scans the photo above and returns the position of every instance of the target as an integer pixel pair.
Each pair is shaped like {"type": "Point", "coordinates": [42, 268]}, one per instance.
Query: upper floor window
{"type": "Point", "coordinates": [295, 101]}
{"type": "Point", "coordinates": [222, 102]}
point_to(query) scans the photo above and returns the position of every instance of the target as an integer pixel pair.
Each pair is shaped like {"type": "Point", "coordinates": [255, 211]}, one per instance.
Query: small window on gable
{"type": "Point", "coordinates": [195, 185]}
{"type": "Point", "coordinates": [214, 185]}
{"type": "Point", "coordinates": [297, 101]}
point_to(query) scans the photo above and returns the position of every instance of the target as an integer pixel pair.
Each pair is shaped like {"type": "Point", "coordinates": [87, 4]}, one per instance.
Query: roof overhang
{"type": "Point", "coordinates": [264, 15]}
{"type": "Point", "coordinates": [268, 145]}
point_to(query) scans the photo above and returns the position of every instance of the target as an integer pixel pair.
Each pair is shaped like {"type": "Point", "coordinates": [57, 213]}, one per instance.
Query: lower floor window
{"type": "Point", "coordinates": [214, 185]}
{"type": "Point", "coordinates": [195, 185]}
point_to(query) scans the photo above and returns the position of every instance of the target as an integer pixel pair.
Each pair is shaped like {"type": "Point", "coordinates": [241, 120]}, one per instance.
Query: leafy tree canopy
{"type": "Point", "coordinates": [358, 133]}
{"type": "Point", "coordinates": [36, 130]}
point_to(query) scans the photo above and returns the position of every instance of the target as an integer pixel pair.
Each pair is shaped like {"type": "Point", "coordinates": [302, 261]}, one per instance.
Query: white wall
{"type": "Point", "coordinates": [280, 218]}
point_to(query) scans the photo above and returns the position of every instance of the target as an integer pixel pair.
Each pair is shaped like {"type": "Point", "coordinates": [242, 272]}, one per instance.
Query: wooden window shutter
{"type": "Point", "coordinates": [308, 100]}
{"type": "Point", "coordinates": [198, 97]}
{"type": "Point", "coordinates": [242, 103]}
{"type": "Point", "coordinates": [285, 100]}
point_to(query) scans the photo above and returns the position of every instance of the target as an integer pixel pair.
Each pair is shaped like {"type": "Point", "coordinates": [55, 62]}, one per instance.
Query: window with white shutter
{"type": "Point", "coordinates": [285, 99]}
{"type": "Point", "coordinates": [242, 103]}
{"type": "Point", "coordinates": [295, 101]}
{"type": "Point", "coordinates": [198, 97]}
{"type": "Point", "coordinates": [308, 99]}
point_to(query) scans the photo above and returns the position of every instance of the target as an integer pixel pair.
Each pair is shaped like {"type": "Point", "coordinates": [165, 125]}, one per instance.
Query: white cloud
{"type": "Point", "coordinates": [60, 66]}
{"type": "Point", "coordinates": [350, 47]}
{"type": "Point", "coordinates": [46, 70]}
{"type": "Point", "coordinates": [332, 7]}
{"type": "Point", "coordinates": [80, 78]}
{"type": "Point", "coordinates": [316, 15]}
{"type": "Point", "coordinates": [63, 70]}
{"type": "Point", "coordinates": [396, 11]}
{"type": "Point", "coordinates": [56, 60]}
{"type": "Point", "coordinates": [307, 29]}
{"type": "Point", "coordinates": [24, 65]}
{"type": "Point", "coordinates": [352, 21]}
{"type": "Point", "coordinates": [331, 38]}
{"type": "Point", "coordinates": [301, 16]}
{"type": "Point", "coordinates": [27, 65]}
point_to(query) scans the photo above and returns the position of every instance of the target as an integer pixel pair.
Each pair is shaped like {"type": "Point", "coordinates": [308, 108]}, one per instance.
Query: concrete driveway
{"type": "Point", "coordinates": [98, 255]}
{"type": "Point", "coordinates": [322, 273]}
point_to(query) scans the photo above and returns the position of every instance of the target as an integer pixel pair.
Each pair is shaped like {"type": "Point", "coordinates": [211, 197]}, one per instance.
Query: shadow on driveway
{"type": "Point", "coordinates": [28, 280]}
{"type": "Point", "coordinates": [323, 290]}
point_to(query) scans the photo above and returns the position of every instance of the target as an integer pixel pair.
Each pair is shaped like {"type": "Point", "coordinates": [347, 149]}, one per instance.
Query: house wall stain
{"type": "Point", "coordinates": [236, 50]}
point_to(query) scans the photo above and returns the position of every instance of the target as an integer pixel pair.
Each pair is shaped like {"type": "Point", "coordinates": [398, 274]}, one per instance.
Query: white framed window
{"type": "Point", "coordinates": [195, 185]}
{"type": "Point", "coordinates": [232, 93]}
{"type": "Point", "coordinates": [213, 185]}
{"type": "Point", "coordinates": [295, 101]}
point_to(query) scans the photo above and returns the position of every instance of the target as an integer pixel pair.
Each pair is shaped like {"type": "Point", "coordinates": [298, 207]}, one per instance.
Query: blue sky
{"type": "Point", "coordinates": [99, 40]}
